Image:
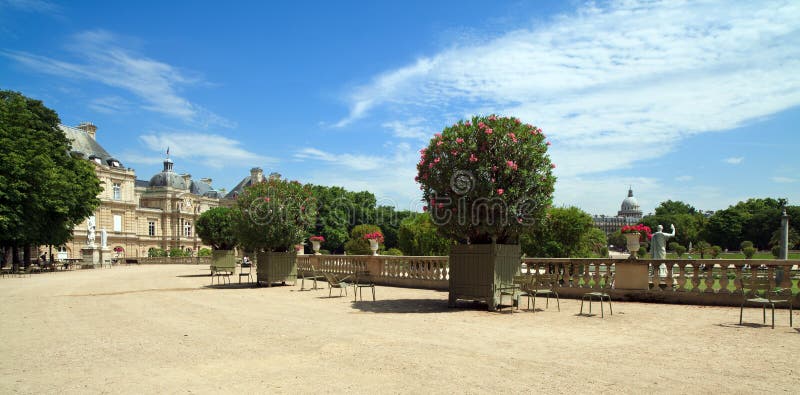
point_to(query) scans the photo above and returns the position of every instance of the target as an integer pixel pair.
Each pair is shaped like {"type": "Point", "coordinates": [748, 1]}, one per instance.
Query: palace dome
{"type": "Point", "coordinates": [168, 178]}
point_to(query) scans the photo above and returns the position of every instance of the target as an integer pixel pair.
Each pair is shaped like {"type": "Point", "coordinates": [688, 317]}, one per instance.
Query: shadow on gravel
{"type": "Point", "coordinates": [418, 306]}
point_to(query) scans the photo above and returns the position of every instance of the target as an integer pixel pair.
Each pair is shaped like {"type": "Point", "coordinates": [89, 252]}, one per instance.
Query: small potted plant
{"type": "Point", "coordinates": [316, 241]}
{"type": "Point", "coordinates": [633, 234]}
{"type": "Point", "coordinates": [374, 239]}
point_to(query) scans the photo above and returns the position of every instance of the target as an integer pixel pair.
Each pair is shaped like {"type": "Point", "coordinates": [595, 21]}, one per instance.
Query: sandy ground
{"type": "Point", "coordinates": [162, 329]}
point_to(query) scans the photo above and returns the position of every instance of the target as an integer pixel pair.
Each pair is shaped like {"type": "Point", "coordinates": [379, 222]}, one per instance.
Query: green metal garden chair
{"type": "Point", "coordinates": [547, 285]}
{"type": "Point", "coordinates": [335, 281]}
{"type": "Point", "coordinates": [759, 290]}
{"type": "Point", "coordinates": [600, 295]}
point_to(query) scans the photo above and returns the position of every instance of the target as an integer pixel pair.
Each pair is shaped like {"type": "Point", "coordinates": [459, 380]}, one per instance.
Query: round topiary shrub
{"type": "Point", "coordinates": [274, 215]}
{"type": "Point", "coordinates": [486, 178]}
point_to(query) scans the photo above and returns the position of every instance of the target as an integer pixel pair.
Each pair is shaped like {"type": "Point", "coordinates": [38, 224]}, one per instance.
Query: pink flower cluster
{"type": "Point", "coordinates": [638, 228]}
{"type": "Point", "coordinates": [317, 238]}
{"type": "Point", "coordinates": [378, 236]}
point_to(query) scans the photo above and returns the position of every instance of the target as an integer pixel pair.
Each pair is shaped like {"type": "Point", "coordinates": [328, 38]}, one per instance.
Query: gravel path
{"type": "Point", "coordinates": [162, 329]}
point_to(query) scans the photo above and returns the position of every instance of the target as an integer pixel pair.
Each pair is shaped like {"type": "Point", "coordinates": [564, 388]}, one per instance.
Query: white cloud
{"type": "Point", "coordinates": [783, 180]}
{"type": "Point", "coordinates": [684, 178]}
{"type": "Point", "coordinates": [613, 86]}
{"type": "Point", "coordinates": [413, 128]}
{"type": "Point", "coordinates": [104, 60]}
{"type": "Point", "coordinates": [110, 104]}
{"type": "Point", "coordinates": [208, 149]}
{"type": "Point", "coordinates": [636, 76]}
{"type": "Point", "coordinates": [390, 177]}
{"type": "Point", "coordinates": [734, 160]}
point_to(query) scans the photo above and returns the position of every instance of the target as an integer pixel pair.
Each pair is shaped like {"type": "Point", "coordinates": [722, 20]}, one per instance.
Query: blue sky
{"type": "Point", "coordinates": [695, 101]}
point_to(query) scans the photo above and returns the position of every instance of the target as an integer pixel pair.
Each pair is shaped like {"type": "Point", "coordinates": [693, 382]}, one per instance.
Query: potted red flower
{"type": "Point", "coordinates": [316, 242]}
{"type": "Point", "coordinates": [633, 234]}
{"type": "Point", "coordinates": [374, 239]}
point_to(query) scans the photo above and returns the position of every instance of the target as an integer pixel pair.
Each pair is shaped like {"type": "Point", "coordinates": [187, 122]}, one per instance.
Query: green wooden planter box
{"type": "Point", "coordinates": [276, 267]}
{"type": "Point", "coordinates": [475, 269]}
{"type": "Point", "coordinates": [223, 260]}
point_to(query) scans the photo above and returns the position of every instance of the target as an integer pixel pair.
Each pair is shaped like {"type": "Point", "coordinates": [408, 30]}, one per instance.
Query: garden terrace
{"type": "Point", "coordinates": [686, 281]}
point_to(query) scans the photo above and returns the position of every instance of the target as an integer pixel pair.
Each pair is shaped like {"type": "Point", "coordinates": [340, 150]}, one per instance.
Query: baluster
{"type": "Point", "coordinates": [738, 281]}
{"type": "Point", "coordinates": [709, 280]}
{"type": "Point", "coordinates": [786, 281]}
{"type": "Point", "coordinates": [695, 277]}
{"type": "Point", "coordinates": [587, 278]}
{"type": "Point", "coordinates": [670, 280]}
{"type": "Point", "coordinates": [681, 277]}
{"type": "Point", "coordinates": [723, 279]}
{"type": "Point", "coordinates": [656, 277]}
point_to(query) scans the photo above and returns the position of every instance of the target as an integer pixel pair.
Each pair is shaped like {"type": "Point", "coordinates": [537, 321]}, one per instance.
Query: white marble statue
{"type": "Point", "coordinates": [103, 238]}
{"type": "Point", "coordinates": [658, 244]}
{"type": "Point", "coordinates": [90, 228]}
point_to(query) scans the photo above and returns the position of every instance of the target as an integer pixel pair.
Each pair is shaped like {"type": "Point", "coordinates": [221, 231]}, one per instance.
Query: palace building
{"type": "Point", "coordinates": [138, 215]}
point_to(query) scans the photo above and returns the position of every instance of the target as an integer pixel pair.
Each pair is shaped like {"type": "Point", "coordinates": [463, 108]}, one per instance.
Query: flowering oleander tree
{"type": "Point", "coordinates": [275, 215]}
{"type": "Point", "coordinates": [486, 178]}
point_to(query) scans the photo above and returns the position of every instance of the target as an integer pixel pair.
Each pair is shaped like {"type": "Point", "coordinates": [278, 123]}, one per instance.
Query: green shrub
{"type": "Point", "coordinates": [358, 245]}
{"type": "Point", "coordinates": [715, 251]}
{"type": "Point", "coordinates": [673, 246]}
{"type": "Point", "coordinates": [603, 252]}
{"type": "Point", "coordinates": [642, 252]}
{"type": "Point", "coordinates": [215, 227]}
{"type": "Point", "coordinates": [745, 244]}
{"type": "Point", "coordinates": [204, 252]}
{"type": "Point", "coordinates": [393, 252]}
{"type": "Point", "coordinates": [680, 250]}
{"type": "Point", "coordinates": [177, 252]}
{"type": "Point", "coordinates": [776, 251]}
{"type": "Point", "coordinates": [748, 252]}
{"type": "Point", "coordinates": [156, 252]}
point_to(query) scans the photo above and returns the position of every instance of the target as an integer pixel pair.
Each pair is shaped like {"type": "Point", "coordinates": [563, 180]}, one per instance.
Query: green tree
{"type": "Point", "coordinates": [339, 211]}
{"type": "Point", "coordinates": [702, 247]}
{"type": "Point", "coordinates": [680, 250]}
{"type": "Point", "coordinates": [745, 244]}
{"type": "Point", "coordinates": [216, 227]}
{"type": "Point", "coordinates": [715, 251]}
{"type": "Point", "coordinates": [44, 191]}
{"type": "Point", "coordinates": [357, 244]}
{"type": "Point", "coordinates": [688, 221]}
{"type": "Point", "coordinates": [566, 232]}
{"type": "Point", "coordinates": [418, 236]}
{"type": "Point", "coordinates": [748, 252]}
{"type": "Point", "coordinates": [725, 227]}
{"type": "Point", "coordinates": [673, 245]}
{"type": "Point", "coordinates": [794, 238]}
{"type": "Point", "coordinates": [274, 215]}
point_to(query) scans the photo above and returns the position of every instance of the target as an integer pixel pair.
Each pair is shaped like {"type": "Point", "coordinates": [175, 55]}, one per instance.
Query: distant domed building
{"type": "Point", "coordinates": [630, 207]}
{"type": "Point", "coordinates": [629, 214]}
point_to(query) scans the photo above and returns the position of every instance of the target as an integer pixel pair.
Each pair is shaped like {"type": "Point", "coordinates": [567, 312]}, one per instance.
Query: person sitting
{"type": "Point", "coordinates": [246, 261]}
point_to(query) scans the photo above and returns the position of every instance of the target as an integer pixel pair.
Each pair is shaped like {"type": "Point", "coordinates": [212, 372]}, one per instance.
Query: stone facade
{"type": "Point", "coordinates": [137, 214]}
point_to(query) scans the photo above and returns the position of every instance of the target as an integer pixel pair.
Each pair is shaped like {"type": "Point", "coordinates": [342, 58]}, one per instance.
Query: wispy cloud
{"type": "Point", "coordinates": [734, 160]}
{"type": "Point", "coordinates": [30, 6]}
{"type": "Point", "coordinates": [413, 128]}
{"type": "Point", "coordinates": [783, 180]}
{"type": "Point", "coordinates": [626, 75]}
{"type": "Point", "coordinates": [110, 104]}
{"type": "Point", "coordinates": [390, 176]}
{"type": "Point", "coordinates": [207, 149]}
{"type": "Point", "coordinates": [684, 178]}
{"type": "Point", "coordinates": [103, 59]}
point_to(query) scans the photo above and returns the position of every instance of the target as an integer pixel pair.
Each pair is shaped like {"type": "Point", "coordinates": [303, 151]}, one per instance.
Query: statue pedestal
{"type": "Point", "coordinates": [106, 255]}
{"type": "Point", "coordinates": [91, 257]}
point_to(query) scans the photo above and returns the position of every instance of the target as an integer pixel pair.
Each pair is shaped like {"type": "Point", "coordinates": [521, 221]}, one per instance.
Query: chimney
{"type": "Point", "coordinates": [206, 180]}
{"type": "Point", "coordinates": [256, 175]}
{"type": "Point", "coordinates": [89, 128]}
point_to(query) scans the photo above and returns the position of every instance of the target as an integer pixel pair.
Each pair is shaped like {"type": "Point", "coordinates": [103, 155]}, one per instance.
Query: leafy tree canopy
{"type": "Point", "coordinates": [216, 227]}
{"type": "Point", "coordinates": [566, 232]}
{"type": "Point", "coordinates": [44, 191]}
{"type": "Point", "coordinates": [418, 236]}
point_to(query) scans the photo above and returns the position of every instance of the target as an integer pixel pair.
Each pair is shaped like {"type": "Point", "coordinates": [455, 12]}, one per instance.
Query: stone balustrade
{"type": "Point", "coordinates": [686, 281]}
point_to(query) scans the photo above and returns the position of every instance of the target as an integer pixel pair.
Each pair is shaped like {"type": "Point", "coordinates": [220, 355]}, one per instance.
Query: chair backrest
{"type": "Point", "coordinates": [362, 277]}
{"type": "Point", "coordinates": [330, 278]}
{"type": "Point", "coordinates": [523, 281]}
{"type": "Point", "coordinates": [758, 285]}
{"type": "Point", "coordinates": [545, 280]}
